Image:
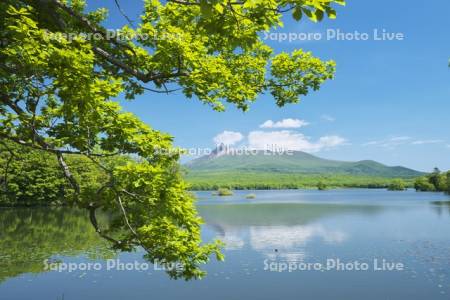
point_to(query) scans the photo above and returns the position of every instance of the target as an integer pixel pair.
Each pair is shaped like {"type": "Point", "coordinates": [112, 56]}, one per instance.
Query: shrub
{"type": "Point", "coordinates": [442, 184]}
{"type": "Point", "coordinates": [224, 192]}
{"type": "Point", "coordinates": [397, 185]}
{"type": "Point", "coordinates": [321, 186]}
{"type": "Point", "coordinates": [423, 184]}
{"type": "Point", "coordinates": [448, 182]}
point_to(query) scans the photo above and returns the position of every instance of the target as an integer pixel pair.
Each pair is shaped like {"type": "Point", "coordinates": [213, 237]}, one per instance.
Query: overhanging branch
{"type": "Point", "coordinates": [142, 76]}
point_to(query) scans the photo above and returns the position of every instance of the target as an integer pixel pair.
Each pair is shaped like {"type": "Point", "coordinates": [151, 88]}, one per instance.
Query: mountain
{"type": "Point", "coordinates": [222, 160]}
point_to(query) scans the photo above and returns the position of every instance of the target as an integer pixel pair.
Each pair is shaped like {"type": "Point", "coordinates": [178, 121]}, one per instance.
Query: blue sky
{"type": "Point", "coordinates": [390, 100]}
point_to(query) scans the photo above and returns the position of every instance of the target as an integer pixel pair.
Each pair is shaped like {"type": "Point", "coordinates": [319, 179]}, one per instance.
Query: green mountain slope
{"type": "Point", "coordinates": [294, 163]}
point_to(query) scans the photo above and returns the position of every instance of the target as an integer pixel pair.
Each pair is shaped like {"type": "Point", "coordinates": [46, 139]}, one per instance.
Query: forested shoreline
{"type": "Point", "coordinates": [30, 177]}
{"type": "Point", "coordinates": [33, 178]}
{"type": "Point", "coordinates": [285, 181]}
{"type": "Point", "coordinates": [437, 181]}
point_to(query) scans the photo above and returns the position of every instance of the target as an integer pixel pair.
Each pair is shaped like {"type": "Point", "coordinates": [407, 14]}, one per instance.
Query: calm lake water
{"type": "Point", "coordinates": [308, 231]}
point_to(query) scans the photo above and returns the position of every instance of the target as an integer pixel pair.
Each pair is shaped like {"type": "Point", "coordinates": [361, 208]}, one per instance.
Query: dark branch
{"type": "Point", "coordinates": [54, 150]}
{"type": "Point", "coordinates": [8, 162]}
{"type": "Point", "coordinates": [130, 22]}
{"type": "Point", "coordinates": [144, 77]}
{"type": "Point", "coordinates": [65, 168]}
{"type": "Point", "coordinates": [93, 218]}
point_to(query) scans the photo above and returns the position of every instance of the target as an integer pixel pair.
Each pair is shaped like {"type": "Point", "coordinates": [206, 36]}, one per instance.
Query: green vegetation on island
{"type": "Point", "coordinates": [321, 186]}
{"type": "Point", "coordinates": [223, 192]}
{"type": "Point", "coordinates": [397, 185]}
{"type": "Point", "coordinates": [436, 181]}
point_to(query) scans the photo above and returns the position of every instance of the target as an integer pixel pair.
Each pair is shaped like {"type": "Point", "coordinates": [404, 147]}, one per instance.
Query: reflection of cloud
{"type": "Point", "coordinates": [290, 241]}
{"type": "Point", "coordinates": [232, 241]}
{"type": "Point", "coordinates": [289, 237]}
{"type": "Point", "coordinates": [288, 257]}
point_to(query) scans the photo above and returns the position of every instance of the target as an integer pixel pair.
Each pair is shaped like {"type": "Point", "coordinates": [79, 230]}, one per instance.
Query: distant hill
{"type": "Point", "coordinates": [222, 161]}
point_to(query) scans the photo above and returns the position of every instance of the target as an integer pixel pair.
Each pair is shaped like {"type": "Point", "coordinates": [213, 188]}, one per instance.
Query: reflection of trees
{"type": "Point", "coordinates": [29, 236]}
{"type": "Point", "coordinates": [441, 206]}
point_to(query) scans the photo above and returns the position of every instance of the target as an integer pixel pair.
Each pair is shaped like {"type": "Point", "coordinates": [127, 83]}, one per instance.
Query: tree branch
{"type": "Point", "coordinates": [53, 150]}
{"type": "Point", "coordinates": [93, 218]}
{"type": "Point", "coordinates": [8, 162]}
{"type": "Point", "coordinates": [142, 76]}
{"type": "Point", "coordinates": [124, 213]}
{"type": "Point", "coordinates": [65, 168]}
{"type": "Point", "coordinates": [130, 22]}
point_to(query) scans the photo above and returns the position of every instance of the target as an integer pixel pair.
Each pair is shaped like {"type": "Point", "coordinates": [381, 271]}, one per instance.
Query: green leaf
{"type": "Point", "coordinates": [319, 15]}
{"type": "Point", "coordinates": [219, 8]}
{"type": "Point", "coordinates": [297, 13]}
{"type": "Point", "coordinates": [331, 13]}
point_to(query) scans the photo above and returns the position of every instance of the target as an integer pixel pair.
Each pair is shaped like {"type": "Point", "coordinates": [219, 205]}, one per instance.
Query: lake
{"type": "Point", "coordinates": [337, 244]}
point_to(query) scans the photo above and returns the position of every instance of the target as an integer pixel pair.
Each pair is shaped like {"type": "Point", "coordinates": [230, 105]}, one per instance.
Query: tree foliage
{"type": "Point", "coordinates": [436, 181]}
{"type": "Point", "coordinates": [58, 91]}
{"type": "Point", "coordinates": [269, 181]}
{"type": "Point", "coordinates": [397, 185]}
{"type": "Point", "coordinates": [33, 178]}
{"type": "Point", "coordinates": [223, 192]}
{"type": "Point", "coordinates": [321, 186]}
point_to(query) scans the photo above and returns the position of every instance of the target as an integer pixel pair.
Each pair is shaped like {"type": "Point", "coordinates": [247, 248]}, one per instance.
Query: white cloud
{"type": "Point", "coordinates": [289, 140]}
{"type": "Point", "coordinates": [328, 118]}
{"type": "Point", "coordinates": [228, 138]}
{"type": "Point", "coordinates": [395, 141]}
{"type": "Point", "coordinates": [424, 142]}
{"type": "Point", "coordinates": [400, 138]}
{"type": "Point", "coordinates": [371, 143]}
{"type": "Point", "coordinates": [390, 143]}
{"type": "Point", "coordinates": [331, 141]}
{"type": "Point", "coordinates": [285, 123]}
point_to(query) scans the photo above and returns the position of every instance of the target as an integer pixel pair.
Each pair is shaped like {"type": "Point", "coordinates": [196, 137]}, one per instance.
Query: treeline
{"type": "Point", "coordinates": [437, 181]}
{"type": "Point", "coordinates": [287, 186]}
{"type": "Point", "coordinates": [274, 181]}
{"type": "Point", "coordinates": [31, 177]}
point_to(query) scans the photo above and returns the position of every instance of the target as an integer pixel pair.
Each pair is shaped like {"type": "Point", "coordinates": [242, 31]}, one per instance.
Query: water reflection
{"type": "Point", "coordinates": [289, 242]}
{"type": "Point", "coordinates": [358, 225]}
{"type": "Point", "coordinates": [441, 207]}
{"type": "Point", "coordinates": [278, 214]}
{"type": "Point", "coordinates": [282, 230]}
{"type": "Point", "coordinates": [28, 236]}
